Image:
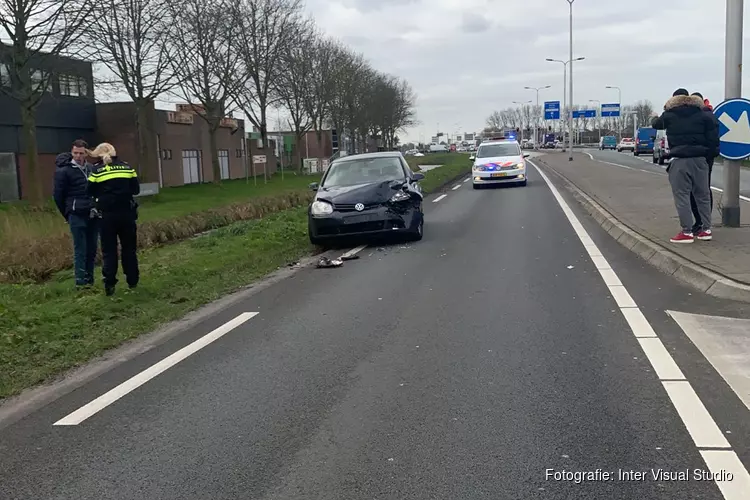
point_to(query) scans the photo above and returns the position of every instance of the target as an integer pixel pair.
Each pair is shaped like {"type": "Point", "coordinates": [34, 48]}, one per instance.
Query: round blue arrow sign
{"type": "Point", "coordinates": [734, 128]}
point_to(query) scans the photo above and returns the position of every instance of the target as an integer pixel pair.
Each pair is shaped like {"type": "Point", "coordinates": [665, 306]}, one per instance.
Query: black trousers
{"type": "Point", "coordinates": [694, 207]}
{"type": "Point", "coordinates": [119, 226]}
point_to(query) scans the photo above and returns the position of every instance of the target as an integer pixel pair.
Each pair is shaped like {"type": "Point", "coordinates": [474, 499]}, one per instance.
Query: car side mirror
{"type": "Point", "coordinates": [472, 157]}
{"type": "Point", "coordinates": [417, 176]}
{"type": "Point", "coordinates": [314, 186]}
{"type": "Point", "coordinates": [526, 155]}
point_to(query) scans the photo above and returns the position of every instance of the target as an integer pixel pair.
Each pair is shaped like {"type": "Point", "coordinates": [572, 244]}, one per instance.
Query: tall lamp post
{"type": "Point", "coordinates": [599, 115]}
{"type": "Point", "coordinates": [619, 101]}
{"type": "Point", "coordinates": [570, 99]}
{"type": "Point", "coordinates": [522, 104]}
{"type": "Point", "coordinates": [536, 125]}
{"type": "Point", "coordinates": [565, 82]}
{"type": "Point", "coordinates": [730, 210]}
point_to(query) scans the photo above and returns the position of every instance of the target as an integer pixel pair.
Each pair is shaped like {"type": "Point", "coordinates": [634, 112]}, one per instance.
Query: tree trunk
{"type": "Point", "coordinates": [215, 165]}
{"type": "Point", "coordinates": [33, 189]}
{"type": "Point", "coordinates": [147, 164]}
{"type": "Point", "coordinates": [298, 138]}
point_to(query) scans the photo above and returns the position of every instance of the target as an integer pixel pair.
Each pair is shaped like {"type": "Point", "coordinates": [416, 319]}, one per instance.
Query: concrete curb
{"type": "Point", "coordinates": [666, 261]}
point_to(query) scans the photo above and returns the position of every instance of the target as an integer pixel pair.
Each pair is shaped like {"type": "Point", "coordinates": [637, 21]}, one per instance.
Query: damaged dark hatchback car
{"type": "Point", "coordinates": [367, 195]}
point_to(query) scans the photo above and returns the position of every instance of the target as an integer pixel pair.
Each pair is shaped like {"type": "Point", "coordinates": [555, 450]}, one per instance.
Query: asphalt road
{"type": "Point", "coordinates": [469, 365]}
{"type": "Point", "coordinates": [645, 163]}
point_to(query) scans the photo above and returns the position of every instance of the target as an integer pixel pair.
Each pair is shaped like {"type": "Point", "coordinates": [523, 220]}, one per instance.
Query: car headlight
{"type": "Point", "coordinates": [400, 196]}
{"type": "Point", "coordinates": [321, 208]}
{"type": "Point", "coordinates": [521, 165]}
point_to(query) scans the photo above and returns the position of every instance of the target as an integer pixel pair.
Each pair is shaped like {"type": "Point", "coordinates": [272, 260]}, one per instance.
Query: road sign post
{"type": "Point", "coordinates": [610, 110]}
{"type": "Point", "coordinates": [734, 131]}
{"type": "Point", "coordinates": [552, 110]}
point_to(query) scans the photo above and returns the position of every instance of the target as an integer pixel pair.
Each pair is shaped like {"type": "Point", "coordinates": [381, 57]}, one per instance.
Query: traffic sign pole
{"type": "Point", "coordinates": [730, 210]}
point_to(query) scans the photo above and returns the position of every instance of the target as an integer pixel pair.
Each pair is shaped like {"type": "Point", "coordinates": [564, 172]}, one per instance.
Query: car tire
{"type": "Point", "coordinates": [417, 233]}
{"type": "Point", "coordinates": [476, 186]}
{"type": "Point", "coordinates": [661, 160]}
{"type": "Point", "coordinates": [635, 153]}
{"type": "Point", "coordinates": [523, 183]}
{"type": "Point", "coordinates": [654, 159]}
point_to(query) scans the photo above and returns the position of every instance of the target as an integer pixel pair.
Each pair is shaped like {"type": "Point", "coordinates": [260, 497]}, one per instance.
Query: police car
{"type": "Point", "coordinates": [499, 161]}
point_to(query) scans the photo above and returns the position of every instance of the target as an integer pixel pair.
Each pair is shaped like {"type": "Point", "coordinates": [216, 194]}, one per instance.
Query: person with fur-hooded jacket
{"type": "Point", "coordinates": [693, 136]}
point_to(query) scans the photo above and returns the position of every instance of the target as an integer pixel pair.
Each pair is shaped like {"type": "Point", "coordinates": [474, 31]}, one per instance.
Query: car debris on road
{"type": "Point", "coordinates": [325, 262]}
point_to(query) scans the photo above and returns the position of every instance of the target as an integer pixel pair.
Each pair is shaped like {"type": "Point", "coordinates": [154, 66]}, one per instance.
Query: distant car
{"type": "Point", "coordinates": [438, 148]}
{"type": "Point", "coordinates": [661, 147]}
{"type": "Point", "coordinates": [626, 144]}
{"type": "Point", "coordinates": [418, 153]}
{"type": "Point", "coordinates": [367, 195]}
{"type": "Point", "coordinates": [608, 142]}
{"type": "Point", "coordinates": [499, 162]}
{"type": "Point", "coordinates": [644, 141]}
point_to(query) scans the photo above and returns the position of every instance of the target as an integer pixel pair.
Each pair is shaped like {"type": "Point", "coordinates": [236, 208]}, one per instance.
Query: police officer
{"type": "Point", "coordinates": [113, 185]}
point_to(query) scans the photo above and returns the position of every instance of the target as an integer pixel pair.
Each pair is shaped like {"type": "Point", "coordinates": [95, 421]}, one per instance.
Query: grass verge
{"type": "Point", "coordinates": [453, 165]}
{"type": "Point", "coordinates": [41, 244]}
{"type": "Point", "coordinates": [48, 328]}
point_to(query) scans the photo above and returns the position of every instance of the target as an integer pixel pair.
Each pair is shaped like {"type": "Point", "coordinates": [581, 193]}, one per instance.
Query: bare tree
{"type": "Point", "coordinates": [644, 110]}
{"type": "Point", "coordinates": [205, 61]}
{"type": "Point", "coordinates": [293, 87]}
{"type": "Point", "coordinates": [132, 38]}
{"type": "Point", "coordinates": [267, 31]}
{"type": "Point", "coordinates": [495, 121]}
{"type": "Point", "coordinates": [350, 73]}
{"type": "Point", "coordinates": [37, 31]}
{"type": "Point", "coordinates": [318, 100]}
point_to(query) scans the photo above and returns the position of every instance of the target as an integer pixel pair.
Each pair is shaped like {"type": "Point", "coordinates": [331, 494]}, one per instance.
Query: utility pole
{"type": "Point", "coordinates": [536, 122]}
{"type": "Point", "coordinates": [730, 210]}
{"type": "Point", "coordinates": [570, 98]}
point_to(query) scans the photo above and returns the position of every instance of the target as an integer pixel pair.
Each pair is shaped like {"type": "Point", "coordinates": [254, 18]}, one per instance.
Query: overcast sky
{"type": "Point", "coordinates": [465, 58]}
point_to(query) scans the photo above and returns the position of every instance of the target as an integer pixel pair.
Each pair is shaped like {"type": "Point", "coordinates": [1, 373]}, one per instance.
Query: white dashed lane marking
{"type": "Point", "coordinates": [701, 427]}
{"type": "Point", "coordinates": [439, 198]}
{"type": "Point", "coordinates": [456, 186]}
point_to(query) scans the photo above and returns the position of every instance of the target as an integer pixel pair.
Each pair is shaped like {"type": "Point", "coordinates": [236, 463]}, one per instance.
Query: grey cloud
{"type": "Point", "coordinates": [474, 23]}
{"type": "Point", "coordinates": [374, 5]}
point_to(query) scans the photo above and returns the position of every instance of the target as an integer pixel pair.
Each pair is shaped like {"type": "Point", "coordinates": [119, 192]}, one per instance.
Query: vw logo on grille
{"type": "Point", "coordinates": [359, 207]}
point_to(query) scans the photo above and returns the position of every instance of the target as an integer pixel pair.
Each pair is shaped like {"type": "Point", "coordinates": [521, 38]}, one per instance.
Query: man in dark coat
{"type": "Point", "coordinates": [75, 204]}
{"type": "Point", "coordinates": [692, 136]}
{"type": "Point", "coordinates": [710, 160]}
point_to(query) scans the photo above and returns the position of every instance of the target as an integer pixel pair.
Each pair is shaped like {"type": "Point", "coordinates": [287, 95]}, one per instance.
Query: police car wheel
{"type": "Point", "coordinates": [476, 186]}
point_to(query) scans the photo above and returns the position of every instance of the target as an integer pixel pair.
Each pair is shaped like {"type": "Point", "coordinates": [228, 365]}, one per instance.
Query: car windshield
{"type": "Point", "coordinates": [364, 171]}
{"type": "Point", "coordinates": [493, 150]}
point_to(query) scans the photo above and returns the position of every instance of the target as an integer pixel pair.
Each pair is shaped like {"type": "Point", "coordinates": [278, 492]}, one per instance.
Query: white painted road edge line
{"type": "Point", "coordinates": [439, 198]}
{"type": "Point", "coordinates": [701, 427]}
{"type": "Point", "coordinates": [353, 252]}
{"type": "Point", "coordinates": [456, 186]}
{"type": "Point", "coordinates": [138, 380]}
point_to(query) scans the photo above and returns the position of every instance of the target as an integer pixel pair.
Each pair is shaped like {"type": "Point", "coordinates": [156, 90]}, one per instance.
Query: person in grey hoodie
{"type": "Point", "coordinates": [76, 205]}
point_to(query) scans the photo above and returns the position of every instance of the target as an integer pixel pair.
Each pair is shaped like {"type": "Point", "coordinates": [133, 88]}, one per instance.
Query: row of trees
{"type": "Point", "coordinates": [226, 56]}
{"type": "Point", "coordinates": [529, 117]}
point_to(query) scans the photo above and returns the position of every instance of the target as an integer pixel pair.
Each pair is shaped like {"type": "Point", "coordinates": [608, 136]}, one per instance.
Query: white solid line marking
{"type": "Point", "coordinates": [700, 425]}
{"type": "Point", "coordinates": [610, 278]}
{"type": "Point", "coordinates": [743, 198]}
{"type": "Point", "coordinates": [638, 323]}
{"type": "Point", "coordinates": [590, 155]}
{"type": "Point", "coordinates": [664, 366]}
{"type": "Point", "coordinates": [439, 198]}
{"type": "Point", "coordinates": [456, 186]}
{"type": "Point", "coordinates": [353, 251]}
{"type": "Point", "coordinates": [138, 380]}
{"type": "Point", "coordinates": [600, 262]}
{"type": "Point", "coordinates": [725, 461]}
{"type": "Point", "coordinates": [621, 295]}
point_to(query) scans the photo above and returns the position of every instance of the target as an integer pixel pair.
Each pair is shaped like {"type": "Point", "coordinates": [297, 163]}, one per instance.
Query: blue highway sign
{"type": "Point", "coordinates": [611, 109]}
{"type": "Point", "coordinates": [734, 128]}
{"type": "Point", "coordinates": [584, 113]}
{"type": "Point", "coordinates": [552, 110]}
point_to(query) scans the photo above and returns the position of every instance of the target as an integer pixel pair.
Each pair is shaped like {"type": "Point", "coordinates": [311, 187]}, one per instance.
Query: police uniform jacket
{"type": "Point", "coordinates": [113, 186]}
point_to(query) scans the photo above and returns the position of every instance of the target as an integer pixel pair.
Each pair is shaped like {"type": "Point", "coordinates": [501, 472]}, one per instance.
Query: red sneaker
{"type": "Point", "coordinates": [705, 235]}
{"type": "Point", "coordinates": [683, 237]}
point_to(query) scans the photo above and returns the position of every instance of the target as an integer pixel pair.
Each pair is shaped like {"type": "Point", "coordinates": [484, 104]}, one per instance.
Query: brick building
{"type": "Point", "coordinates": [66, 112]}
{"type": "Point", "coordinates": [182, 142]}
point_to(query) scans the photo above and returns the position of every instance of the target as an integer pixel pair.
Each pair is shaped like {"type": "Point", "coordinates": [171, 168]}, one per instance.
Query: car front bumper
{"type": "Point", "coordinates": [373, 222]}
{"type": "Point", "coordinates": [506, 177]}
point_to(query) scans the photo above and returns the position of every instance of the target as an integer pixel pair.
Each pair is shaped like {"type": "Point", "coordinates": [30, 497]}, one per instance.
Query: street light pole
{"type": "Point", "coordinates": [536, 124]}
{"type": "Point", "coordinates": [570, 99]}
{"type": "Point", "coordinates": [730, 210]}
{"type": "Point", "coordinates": [522, 104]}
{"type": "Point", "coordinates": [565, 88]}
{"type": "Point", "coordinates": [599, 104]}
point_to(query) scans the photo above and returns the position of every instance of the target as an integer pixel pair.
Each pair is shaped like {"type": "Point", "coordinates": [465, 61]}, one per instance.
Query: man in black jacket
{"type": "Point", "coordinates": [75, 204]}
{"type": "Point", "coordinates": [692, 136]}
{"type": "Point", "coordinates": [710, 160]}
{"type": "Point", "coordinates": [113, 184]}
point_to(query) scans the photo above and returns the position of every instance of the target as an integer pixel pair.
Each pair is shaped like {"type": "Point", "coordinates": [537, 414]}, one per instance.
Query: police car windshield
{"type": "Point", "coordinates": [493, 150]}
{"type": "Point", "coordinates": [365, 171]}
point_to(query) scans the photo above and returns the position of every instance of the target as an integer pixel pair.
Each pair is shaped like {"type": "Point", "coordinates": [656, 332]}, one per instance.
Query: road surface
{"type": "Point", "coordinates": [489, 361]}
{"type": "Point", "coordinates": [645, 163]}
